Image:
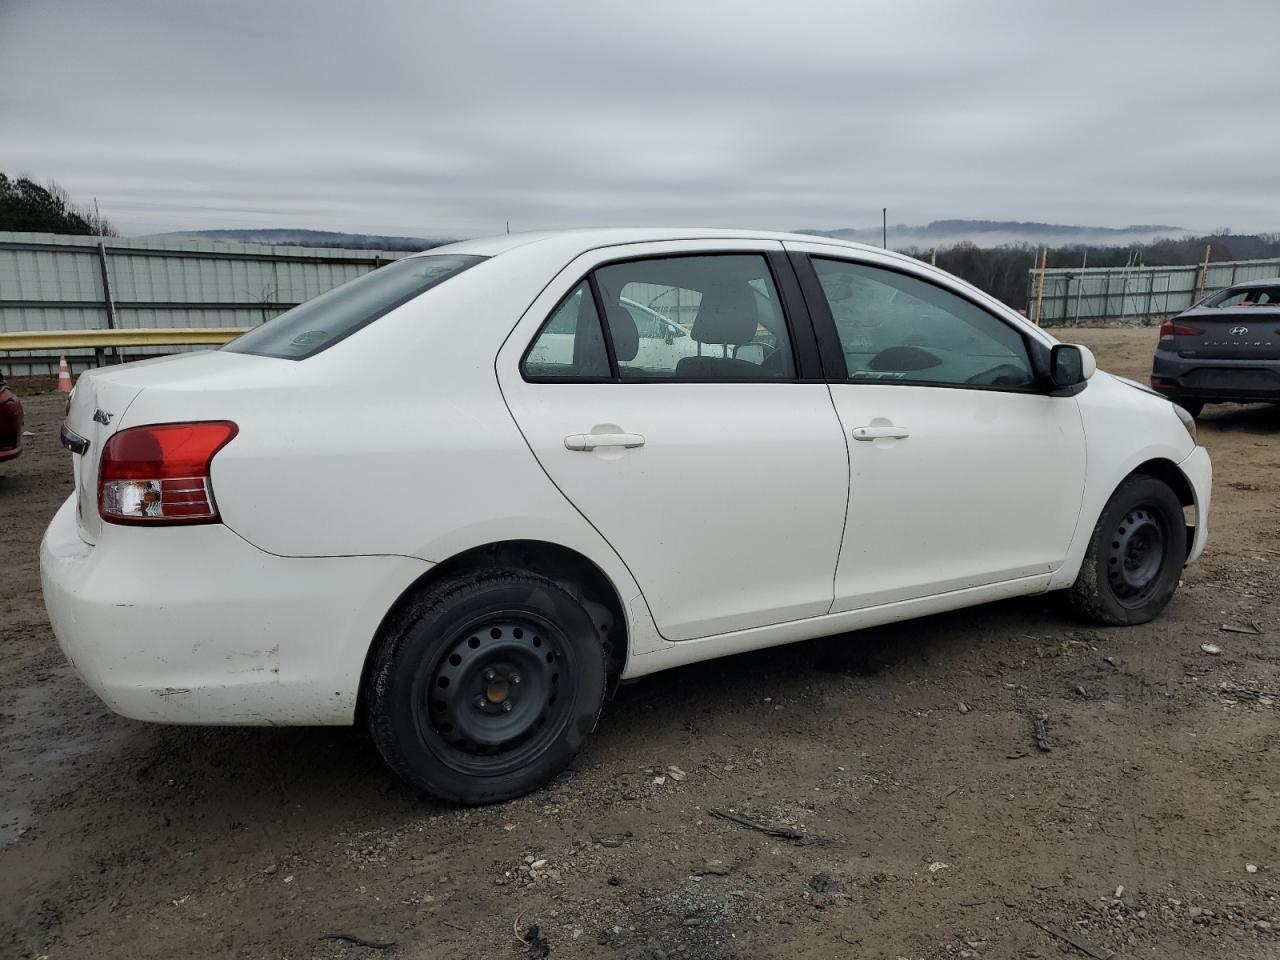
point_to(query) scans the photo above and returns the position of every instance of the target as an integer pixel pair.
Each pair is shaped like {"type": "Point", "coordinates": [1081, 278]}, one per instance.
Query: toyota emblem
{"type": "Point", "coordinates": [1239, 331]}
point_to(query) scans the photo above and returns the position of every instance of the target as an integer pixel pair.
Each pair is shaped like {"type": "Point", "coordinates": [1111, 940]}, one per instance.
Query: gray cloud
{"type": "Point", "coordinates": [435, 118]}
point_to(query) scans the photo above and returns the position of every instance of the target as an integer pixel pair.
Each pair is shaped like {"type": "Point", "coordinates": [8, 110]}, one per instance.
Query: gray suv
{"type": "Point", "coordinates": [1226, 348]}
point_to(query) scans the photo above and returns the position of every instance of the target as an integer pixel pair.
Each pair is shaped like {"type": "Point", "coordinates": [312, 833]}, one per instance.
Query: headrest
{"type": "Point", "coordinates": [727, 314]}
{"type": "Point", "coordinates": [622, 328]}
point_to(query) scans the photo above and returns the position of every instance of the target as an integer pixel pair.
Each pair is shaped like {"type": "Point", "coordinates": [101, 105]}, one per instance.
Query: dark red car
{"type": "Point", "coordinates": [10, 422]}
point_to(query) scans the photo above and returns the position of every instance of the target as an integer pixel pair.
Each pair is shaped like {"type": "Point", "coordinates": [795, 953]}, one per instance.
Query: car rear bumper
{"type": "Point", "coordinates": [1206, 379]}
{"type": "Point", "coordinates": [194, 625]}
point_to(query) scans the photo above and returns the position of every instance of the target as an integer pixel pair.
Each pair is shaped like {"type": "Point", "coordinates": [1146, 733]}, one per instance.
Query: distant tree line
{"type": "Point", "coordinates": [26, 205]}
{"type": "Point", "coordinates": [1002, 271]}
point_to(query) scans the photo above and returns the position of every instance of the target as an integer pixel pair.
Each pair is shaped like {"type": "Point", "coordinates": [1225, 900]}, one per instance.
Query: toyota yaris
{"type": "Point", "coordinates": [460, 497]}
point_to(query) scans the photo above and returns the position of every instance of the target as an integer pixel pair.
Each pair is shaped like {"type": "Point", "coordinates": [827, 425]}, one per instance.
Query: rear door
{"type": "Point", "coordinates": [715, 464]}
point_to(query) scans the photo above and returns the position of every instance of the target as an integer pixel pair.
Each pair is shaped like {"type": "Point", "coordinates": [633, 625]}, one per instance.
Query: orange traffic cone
{"type": "Point", "coordinates": [64, 375]}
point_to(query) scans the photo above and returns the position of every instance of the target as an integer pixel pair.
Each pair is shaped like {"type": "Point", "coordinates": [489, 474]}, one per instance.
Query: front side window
{"type": "Point", "coordinates": [715, 317]}
{"type": "Point", "coordinates": [897, 328]}
{"type": "Point", "coordinates": [321, 322]}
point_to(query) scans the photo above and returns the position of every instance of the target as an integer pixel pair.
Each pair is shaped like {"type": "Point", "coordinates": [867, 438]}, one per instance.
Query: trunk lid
{"type": "Point", "coordinates": [1230, 333]}
{"type": "Point", "coordinates": [97, 406]}
{"type": "Point", "coordinates": [100, 405]}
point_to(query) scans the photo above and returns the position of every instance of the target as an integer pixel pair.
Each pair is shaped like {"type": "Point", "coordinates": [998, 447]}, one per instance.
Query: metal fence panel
{"type": "Point", "coordinates": [56, 282]}
{"type": "Point", "coordinates": [1133, 294]}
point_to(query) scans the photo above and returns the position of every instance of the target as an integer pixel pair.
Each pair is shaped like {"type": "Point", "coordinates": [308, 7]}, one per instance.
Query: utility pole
{"type": "Point", "coordinates": [508, 226]}
{"type": "Point", "coordinates": [884, 227]}
{"type": "Point", "coordinates": [1044, 264]}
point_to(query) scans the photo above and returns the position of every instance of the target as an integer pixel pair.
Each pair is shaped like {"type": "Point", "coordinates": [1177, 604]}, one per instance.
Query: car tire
{"type": "Point", "coordinates": [1135, 556]}
{"type": "Point", "coordinates": [485, 688]}
{"type": "Point", "coordinates": [1193, 407]}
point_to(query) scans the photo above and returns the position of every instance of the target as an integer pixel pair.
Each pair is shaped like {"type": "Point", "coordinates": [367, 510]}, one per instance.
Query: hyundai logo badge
{"type": "Point", "coordinates": [1239, 331]}
{"type": "Point", "coordinates": [102, 417]}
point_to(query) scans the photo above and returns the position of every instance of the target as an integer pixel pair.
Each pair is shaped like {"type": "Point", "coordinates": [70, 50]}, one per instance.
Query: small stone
{"type": "Point", "coordinates": [1250, 868]}
{"type": "Point", "coordinates": [538, 864]}
{"type": "Point", "coordinates": [659, 781]}
{"type": "Point", "coordinates": [1212, 649]}
{"type": "Point", "coordinates": [1081, 692]}
{"type": "Point", "coordinates": [676, 774]}
{"type": "Point", "coordinates": [270, 869]}
{"type": "Point", "coordinates": [1262, 924]}
{"type": "Point", "coordinates": [936, 866]}
{"type": "Point", "coordinates": [1120, 891]}
{"type": "Point", "coordinates": [1194, 912]}
{"type": "Point", "coordinates": [964, 707]}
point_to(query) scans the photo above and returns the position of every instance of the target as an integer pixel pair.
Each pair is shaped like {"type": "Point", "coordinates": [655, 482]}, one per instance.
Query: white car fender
{"type": "Point", "coordinates": [1114, 413]}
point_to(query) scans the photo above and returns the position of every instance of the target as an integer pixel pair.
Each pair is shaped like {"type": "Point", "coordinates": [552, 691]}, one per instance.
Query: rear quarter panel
{"type": "Point", "coordinates": [395, 441]}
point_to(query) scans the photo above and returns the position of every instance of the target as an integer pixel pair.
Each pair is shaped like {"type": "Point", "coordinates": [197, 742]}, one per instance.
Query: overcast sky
{"type": "Point", "coordinates": [433, 118]}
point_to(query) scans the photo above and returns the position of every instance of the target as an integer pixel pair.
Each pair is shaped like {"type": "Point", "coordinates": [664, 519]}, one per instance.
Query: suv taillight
{"type": "Point", "coordinates": [159, 474]}
{"type": "Point", "coordinates": [1171, 328]}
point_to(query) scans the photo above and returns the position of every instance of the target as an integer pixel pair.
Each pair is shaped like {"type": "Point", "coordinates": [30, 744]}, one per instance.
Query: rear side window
{"type": "Point", "coordinates": [570, 345]}
{"type": "Point", "coordinates": [702, 318]}
{"type": "Point", "coordinates": [321, 322]}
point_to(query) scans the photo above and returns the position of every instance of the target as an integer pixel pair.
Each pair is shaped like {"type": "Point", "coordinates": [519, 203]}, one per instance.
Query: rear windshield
{"type": "Point", "coordinates": [321, 322]}
{"type": "Point", "coordinates": [1246, 297]}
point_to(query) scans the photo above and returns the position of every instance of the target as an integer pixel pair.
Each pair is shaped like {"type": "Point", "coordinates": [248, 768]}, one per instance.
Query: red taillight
{"type": "Point", "coordinates": [159, 474]}
{"type": "Point", "coordinates": [1171, 328]}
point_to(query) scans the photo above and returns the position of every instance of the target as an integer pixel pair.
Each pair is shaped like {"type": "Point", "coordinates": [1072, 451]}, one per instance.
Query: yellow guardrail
{"type": "Point", "coordinates": [89, 339]}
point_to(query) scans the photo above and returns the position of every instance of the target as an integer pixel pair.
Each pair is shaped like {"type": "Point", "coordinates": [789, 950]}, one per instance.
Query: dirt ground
{"type": "Point", "coordinates": [930, 824]}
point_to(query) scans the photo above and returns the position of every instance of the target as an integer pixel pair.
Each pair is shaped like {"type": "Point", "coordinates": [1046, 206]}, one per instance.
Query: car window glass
{"type": "Point", "coordinates": [1248, 297]}
{"type": "Point", "coordinates": [893, 327]}
{"type": "Point", "coordinates": [696, 318]}
{"type": "Point", "coordinates": [321, 322]}
{"type": "Point", "coordinates": [570, 345]}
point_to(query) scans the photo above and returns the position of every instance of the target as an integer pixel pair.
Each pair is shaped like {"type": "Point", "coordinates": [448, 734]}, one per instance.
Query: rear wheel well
{"type": "Point", "coordinates": [578, 575]}
{"type": "Point", "coordinates": [1167, 472]}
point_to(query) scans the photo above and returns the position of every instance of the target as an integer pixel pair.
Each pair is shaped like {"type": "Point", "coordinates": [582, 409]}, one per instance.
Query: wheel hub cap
{"type": "Point", "coordinates": [1136, 554]}
{"type": "Point", "coordinates": [496, 686]}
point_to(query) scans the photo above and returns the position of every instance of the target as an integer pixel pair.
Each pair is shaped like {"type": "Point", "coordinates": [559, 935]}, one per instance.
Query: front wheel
{"type": "Point", "coordinates": [1135, 556]}
{"type": "Point", "coordinates": [484, 689]}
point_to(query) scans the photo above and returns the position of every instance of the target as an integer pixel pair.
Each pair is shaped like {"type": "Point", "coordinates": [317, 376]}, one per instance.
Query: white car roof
{"type": "Point", "coordinates": [576, 241]}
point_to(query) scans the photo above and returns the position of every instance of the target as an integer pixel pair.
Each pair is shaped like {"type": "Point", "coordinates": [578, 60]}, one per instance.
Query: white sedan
{"type": "Point", "coordinates": [397, 505]}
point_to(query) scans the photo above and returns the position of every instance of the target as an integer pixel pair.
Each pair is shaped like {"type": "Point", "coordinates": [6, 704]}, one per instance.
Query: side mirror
{"type": "Point", "coordinates": [1071, 364]}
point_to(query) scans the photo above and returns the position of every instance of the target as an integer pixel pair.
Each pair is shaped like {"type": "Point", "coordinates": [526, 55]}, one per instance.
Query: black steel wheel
{"type": "Point", "coordinates": [492, 700]}
{"type": "Point", "coordinates": [1135, 555]}
{"type": "Point", "coordinates": [485, 689]}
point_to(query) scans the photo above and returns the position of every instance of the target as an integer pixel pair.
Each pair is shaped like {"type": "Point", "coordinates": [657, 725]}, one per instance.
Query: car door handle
{"type": "Point", "coordinates": [880, 433]}
{"type": "Point", "coordinates": [589, 441]}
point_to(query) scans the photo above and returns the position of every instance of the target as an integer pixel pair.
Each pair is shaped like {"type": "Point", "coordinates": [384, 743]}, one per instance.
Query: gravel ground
{"type": "Point", "coordinates": [926, 822]}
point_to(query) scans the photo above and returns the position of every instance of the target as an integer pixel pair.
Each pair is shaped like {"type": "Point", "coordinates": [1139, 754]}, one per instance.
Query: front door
{"type": "Point", "coordinates": [690, 441]}
{"type": "Point", "coordinates": [963, 473]}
